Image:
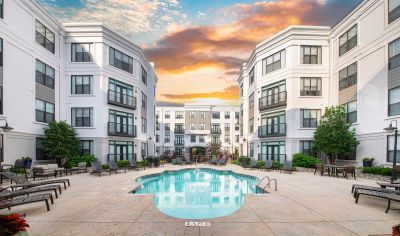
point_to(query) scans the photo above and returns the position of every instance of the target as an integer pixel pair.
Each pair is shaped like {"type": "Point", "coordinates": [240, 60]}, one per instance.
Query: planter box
{"type": "Point", "coordinates": [372, 176]}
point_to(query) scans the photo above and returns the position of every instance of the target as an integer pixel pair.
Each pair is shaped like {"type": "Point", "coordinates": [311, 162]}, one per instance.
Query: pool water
{"type": "Point", "coordinates": [197, 193]}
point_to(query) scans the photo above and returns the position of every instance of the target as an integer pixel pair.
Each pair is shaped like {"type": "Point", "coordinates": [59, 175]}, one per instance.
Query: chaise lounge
{"type": "Point", "coordinates": [287, 166]}
{"type": "Point", "coordinates": [21, 182]}
{"type": "Point", "coordinates": [16, 201]}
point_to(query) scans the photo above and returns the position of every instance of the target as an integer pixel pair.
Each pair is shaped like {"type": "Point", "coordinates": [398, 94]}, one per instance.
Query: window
{"type": "Point", "coordinates": [121, 60]}
{"type": "Point", "coordinates": [120, 150]}
{"type": "Point", "coordinates": [202, 126]}
{"type": "Point", "coordinates": [45, 37]}
{"type": "Point", "coordinates": [1, 100]}
{"type": "Point", "coordinates": [1, 51]}
{"type": "Point", "coordinates": [310, 87]}
{"type": "Point", "coordinates": [274, 62]}
{"type": "Point", "coordinates": [309, 118]}
{"type": "Point", "coordinates": [87, 146]}
{"type": "Point", "coordinates": [81, 84]}
{"type": "Point", "coordinates": [45, 74]}
{"type": "Point", "coordinates": [306, 147]}
{"type": "Point", "coordinates": [227, 115]}
{"type": "Point", "coordinates": [81, 52]}
{"type": "Point", "coordinates": [120, 94]}
{"type": "Point", "coordinates": [202, 114]}
{"type": "Point", "coordinates": [227, 127]}
{"type": "Point", "coordinates": [348, 76]}
{"type": "Point", "coordinates": [1, 148]}
{"type": "Point", "coordinates": [144, 76]}
{"type": "Point", "coordinates": [1, 13]}
{"type": "Point", "coordinates": [251, 149]}
{"type": "Point", "coordinates": [158, 126]}
{"type": "Point", "coordinates": [348, 40]}
{"type": "Point", "coordinates": [192, 126]}
{"type": "Point", "coordinates": [44, 111]}
{"type": "Point", "coordinates": [179, 115]}
{"type": "Point", "coordinates": [394, 10]}
{"type": "Point", "coordinates": [227, 138]}
{"type": "Point", "coordinates": [82, 116]}
{"type": "Point", "coordinates": [144, 125]}
{"type": "Point", "coordinates": [251, 76]}
{"type": "Point", "coordinates": [202, 139]}
{"type": "Point", "coordinates": [311, 54]}
{"type": "Point", "coordinates": [157, 138]}
{"type": "Point", "coordinates": [192, 114]}
{"type": "Point", "coordinates": [167, 139]}
{"type": "Point", "coordinates": [241, 90]}
{"type": "Point", "coordinates": [351, 112]}
{"type": "Point", "coordinates": [394, 53]}
{"type": "Point", "coordinates": [215, 114]}
{"type": "Point", "coordinates": [167, 127]}
{"type": "Point", "coordinates": [192, 138]}
{"type": "Point", "coordinates": [236, 138]}
{"type": "Point", "coordinates": [40, 154]}
{"type": "Point", "coordinates": [236, 115]}
{"type": "Point", "coordinates": [167, 115]}
{"type": "Point", "coordinates": [251, 125]}
{"type": "Point", "coordinates": [394, 101]}
{"type": "Point", "coordinates": [390, 149]}
{"type": "Point", "coordinates": [143, 149]}
{"type": "Point", "coordinates": [120, 124]}
{"type": "Point", "coordinates": [144, 101]}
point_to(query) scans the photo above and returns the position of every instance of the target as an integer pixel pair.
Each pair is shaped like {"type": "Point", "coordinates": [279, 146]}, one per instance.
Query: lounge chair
{"type": "Point", "coordinates": [177, 161]}
{"type": "Point", "coordinates": [357, 187]}
{"type": "Point", "coordinates": [389, 185]}
{"type": "Point", "coordinates": [267, 165]}
{"type": "Point", "coordinates": [188, 161]}
{"type": "Point", "coordinates": [114, 167]}
{"type": "Point", "coordinates": [251, 165]}
{"type": "Point", "coordinates": [213, 161]}
{"type": "Point", "coordinates": [392, 197]}
{"type": "Point", "coordinates": [222, 161]}
{"type": "Point", "coordinates": [287, 166]}
{"type": "Point", "coordinates": [133, 165]}
{"type": "Point", "coordinates": [16, 201]}
{"type": "Point", "coordinates": [97, 168]}
{"type": "Point", "coordinates": [5, 193]}
{"type": "Point", "coordinates": [21, 182]}
{"type": "Point", "coordinates": [82, 167]}
{"type": "Point", "coordinates": [375, 193]}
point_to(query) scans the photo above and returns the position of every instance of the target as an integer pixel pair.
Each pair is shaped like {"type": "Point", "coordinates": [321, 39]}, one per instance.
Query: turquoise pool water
{"type": "Point", "coordinates": [197, 193]}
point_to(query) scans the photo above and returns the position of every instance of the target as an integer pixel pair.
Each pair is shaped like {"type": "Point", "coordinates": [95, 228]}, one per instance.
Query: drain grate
{"type": "Point", "coordinates": [197, 224]}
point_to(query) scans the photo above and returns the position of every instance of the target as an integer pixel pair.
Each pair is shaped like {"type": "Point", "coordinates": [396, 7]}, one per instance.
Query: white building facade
{"type": "Point", "coordinates": [180, 128]}
{"type": "Point", "coordinates": [83, 73]}
{"type": "Point", "coordinates": [291, 77]}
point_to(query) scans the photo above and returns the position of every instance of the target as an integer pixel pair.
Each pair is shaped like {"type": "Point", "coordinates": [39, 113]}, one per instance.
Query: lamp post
{"type": "Point", "coordinates": [247, 146]}
{"type": "Point", "coordinates": [147, 146]}
{"type": "Point", "coordinates": [390, 129]}
{"type": "Point", "coordinates": [5, 127]}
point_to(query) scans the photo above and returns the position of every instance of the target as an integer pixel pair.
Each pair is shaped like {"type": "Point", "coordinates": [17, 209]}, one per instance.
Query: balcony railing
{"type": "Point", "coordinates": [119, 157]}
{"type": "Point", "coordinates": [179, 130]}
{"type": "Point", "coordinates": [266, 131]}
{"type": "Point", "coordinates": [272, 101]}
{"type": "Point", "coordinates": [394, 14]}
{"type": "Point", "coordinates": [179, 142]}
{"type": "Point", "coordinates": [123, 100]}
{"type": "Point", "coordinates": [123, 130]}
{"type": "Point", "coordinates": [215, 142]}
{"type": "Point", "coordinates": [274, 157]}
{"type": "Point", "coordinates": [394, 62]}
{"type": "Point", "coordinates": [215, 130]}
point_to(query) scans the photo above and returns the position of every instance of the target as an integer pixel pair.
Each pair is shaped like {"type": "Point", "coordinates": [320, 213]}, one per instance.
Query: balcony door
{"type": "Point", "coordinates": [122, 122]}
{"type": "Point", "coordinates": [274, 151]}
{"type": "Point", "coordinates": [121, 152]}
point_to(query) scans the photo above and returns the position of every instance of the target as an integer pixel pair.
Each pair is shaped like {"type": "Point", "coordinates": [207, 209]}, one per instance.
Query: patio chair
{"type": "Point", "coordinates": [345, 171]}
{"type": "Point", "coordinates": [251, 165]}
{"type": "Point", "coordinates": [114, 167]}
{"type": "Point", "coordinates": [321, 169]}
{"type": "Point", "coordinates": [16, 201]}
{"type": "Point", "coordinates": [222, 161]}
{"type": "Point", "coordinates": [287, 166]}
{"type": "Point", "coordinates": [213, 161]}
{"type": "Point", "coordinates": [381, 193]}
{"type": "Point", "coordinates": [357, 187]}
{"type": "Point", "coordinates": [21, 182]}
{"type": "Point", "coordinates": [97, 168]}
{"type": "Point", "coordinates": [80, 168]}
{"type": "Point", "coordinates": [267, 165]}
{"type": "Point", "coordinates": [188, 161]}
{"type": "Point", "coordinates": [133, 165]}
{"type": "Point", "coordinates": [5, 193]}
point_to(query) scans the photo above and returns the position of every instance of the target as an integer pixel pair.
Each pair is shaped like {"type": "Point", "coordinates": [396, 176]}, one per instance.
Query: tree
{"type": "Point", "coordinates": [334, 136]}
{"type": "Point", "coordinates": [60, 140]}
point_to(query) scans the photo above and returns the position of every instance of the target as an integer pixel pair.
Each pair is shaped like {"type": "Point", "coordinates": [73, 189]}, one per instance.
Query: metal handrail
{"type": "Point", "coordinates": [262, 181]}
{"type": "Point", "coordinates": [276, 184]}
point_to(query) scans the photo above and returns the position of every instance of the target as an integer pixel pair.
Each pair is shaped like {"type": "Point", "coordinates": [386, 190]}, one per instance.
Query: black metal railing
{"type": "Point", "coordinates": [179, 142]}
{"type": "Point", "coordinates": [394, 14]}
{"type": "Point", "coordinates": [119, 157]}
{"type": "Point", "coordinates": [272, 101]}
{"type": "Point", "coordinates": [179, 130]}
{"type": "Point", "coordinates": [272, 130]}
{"type": "Point", "coordinates": [215, 142]}
{"type": "Point", "coordinates": [215, 130]}
{"type": "Point", "coordinates": [123, 130]}
{"type": "Point", "coordinates": [274, 157]}
{"type": "Point", "coordinates": [124, 100]}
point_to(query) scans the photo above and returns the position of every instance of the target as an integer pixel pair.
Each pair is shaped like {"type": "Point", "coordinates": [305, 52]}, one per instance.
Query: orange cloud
{"type": "Point", "coordinates": [229, 93]}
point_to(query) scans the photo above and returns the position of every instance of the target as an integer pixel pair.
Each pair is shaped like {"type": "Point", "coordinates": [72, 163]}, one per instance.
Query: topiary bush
{"type": "Point", "coordinates": [123, 163]}
{"type": "Point", "coordinates": [377, 170]}
{"type": "Point", "coordinates": [260, 164]}
{"type": "Point", "coordinates": [106, 167]}
{"type": "Point", "coordinates": [303, 160]}
{"type": "Point", "coordinates": [276, 165]}
{"type": "Point", "coordinates": [73, 161]}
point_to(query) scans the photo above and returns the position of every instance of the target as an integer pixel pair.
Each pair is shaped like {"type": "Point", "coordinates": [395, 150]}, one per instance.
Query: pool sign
{"type": "Point", "coordinates": [197, 224]}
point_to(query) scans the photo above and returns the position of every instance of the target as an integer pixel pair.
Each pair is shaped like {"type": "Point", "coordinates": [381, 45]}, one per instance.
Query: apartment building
{"type": "Point", "coordinates": [83, 73]}
{"type": "Point", "coordinates": [291, 77]}
{"type": "Point", "coordinates": [181, 128]}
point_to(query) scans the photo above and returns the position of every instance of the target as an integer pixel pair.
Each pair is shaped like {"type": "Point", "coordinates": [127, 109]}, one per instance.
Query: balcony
{"type": "Point", "coordinates": [394, 14]}
{"type": "Point", "coordinates": [179, 130]}
{"type": "Point", "coordinates": [179, 142]}
{"type": "Point", "coordinates": [121, 130]}
{"type": "Point", "coordinates": [274, 157]}
{"type": "Point", "coordinates": [122, 100]}
{"type": "Point", "coordinates": [272, 101]}
{"type": "Point", "coordinates": [267, 131]}
{"type": "Point", "coordinates": [216, 142]}
{"type": "Point", "coordinates": [119, 157]}
{"type": "Point", "coordinates": [215, 130]}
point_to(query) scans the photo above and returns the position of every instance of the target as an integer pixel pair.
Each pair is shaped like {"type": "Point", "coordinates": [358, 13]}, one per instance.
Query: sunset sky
{"type": "Point", "coordinates": [199, 45]}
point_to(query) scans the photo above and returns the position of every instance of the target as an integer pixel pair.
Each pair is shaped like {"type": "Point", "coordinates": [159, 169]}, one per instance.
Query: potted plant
{"type": "Point", "coordinates": [13, 224]}
{"type": "Point", "coordinates": [27, 162]}
{"type": "Point", "coordinates": [396, 230]}
{"type": "Point", "coordinates": [367, 162]}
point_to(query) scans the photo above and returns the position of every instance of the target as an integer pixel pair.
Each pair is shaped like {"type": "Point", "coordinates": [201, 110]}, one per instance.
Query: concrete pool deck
{"type": "Point", "coordinates": [303, 205]}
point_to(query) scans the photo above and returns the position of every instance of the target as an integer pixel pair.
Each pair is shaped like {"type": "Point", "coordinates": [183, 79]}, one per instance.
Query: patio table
{"type": "Point", "coordinates": [333, 168]}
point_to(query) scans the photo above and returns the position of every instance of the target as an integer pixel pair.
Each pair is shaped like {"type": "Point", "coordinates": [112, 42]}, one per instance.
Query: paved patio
{"type": "Point", "coordinates": [303, 205]}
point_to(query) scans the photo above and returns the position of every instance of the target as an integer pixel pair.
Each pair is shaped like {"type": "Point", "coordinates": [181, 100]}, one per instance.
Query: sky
{"type": "Point", "coordinates": [198, 46]}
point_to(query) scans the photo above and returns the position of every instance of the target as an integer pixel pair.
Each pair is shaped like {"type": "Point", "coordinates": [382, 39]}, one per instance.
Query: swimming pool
{"type": "Point", "coordinates": [197, 193]}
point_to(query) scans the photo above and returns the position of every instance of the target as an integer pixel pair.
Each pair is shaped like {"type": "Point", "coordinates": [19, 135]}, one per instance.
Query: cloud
{"type": "Point", "coordinates": [201, 15]}
{"type": "Point", "coordinates": [228, 93]}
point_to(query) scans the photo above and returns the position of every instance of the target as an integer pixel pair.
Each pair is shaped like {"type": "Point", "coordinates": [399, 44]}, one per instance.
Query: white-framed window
{"type": "Point", "coordinates": [44, 111]}
{"type": "Point", "coordinates": [394, 10]}
{"type": "Point", "coordinates": [351, 112]}
{"type": "Point", "coordinates": [348, 40]}
{"type": "Point", "coordinates": [348, 76]}
{"type": "Point", "coordinates": [202, 126]}
{"type": "Point", "coordinates": [192, 138]}
{"type": "Point", "coordinates": [45, 74]}
{"type": "Point", "coordinates": [81, 84]}
{"type": "Point", "coordinates": [120, 60]}
{"type": "Point", "coordinates": [81, 52]}
{"type": "Point", "coordinates": [192, 126]}
{"type": "Point", "coordinates": [202, 114]}
{"type": "Point", "coordinates": [311, 54]}
{"type": "Point", "coordinates": [310, 118]}
{"type": "Point", "coordinates": [274, 62]}
{"type": "Point", "coordinates": [82, 116]}
{"type": "Point", "coordinates": [44, 37]}
{"type": "Point", "coordinates": [394, 101]}
{"type": "Point", "coordinates": [251, 76]}
{"type": "Point", "coordinates": [192, 114]}
{"type": "Point", "coordinates": [394, 53]}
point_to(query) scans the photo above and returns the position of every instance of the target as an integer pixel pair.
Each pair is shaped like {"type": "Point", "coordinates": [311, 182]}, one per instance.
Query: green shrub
{"type": "Point", "coordinates": [377, 170]}
{"type": "Point", "coordinates": [123, 163]}
{"type": "Point", "coordinates": [260, 164]}
{"type": "Point", "coordinates": [303, 160]}
{"type": "Point", "coordinates": [277, 165]}
{"type": "Point", "coordinates": [73, 161]}
{"type": "Point", "coordinates": [237, 162]}
{"type": "Point", "coordinates": [106, 167]}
